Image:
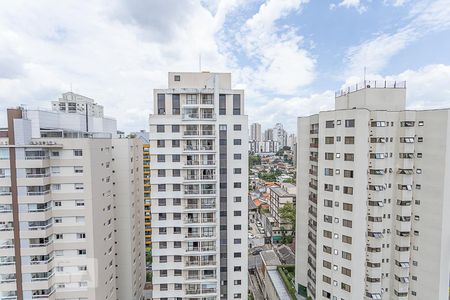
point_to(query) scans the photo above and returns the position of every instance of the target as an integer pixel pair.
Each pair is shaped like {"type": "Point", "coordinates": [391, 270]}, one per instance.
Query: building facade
{"type": "Point", "coordinates": [373, 197]}
{"type": "Point", "coordinates": [60, 191]}
{"type": "Point", "coordinates": [198, 149]}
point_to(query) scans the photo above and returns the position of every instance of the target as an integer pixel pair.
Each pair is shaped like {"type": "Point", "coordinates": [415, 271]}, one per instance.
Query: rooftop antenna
{"type": "Point", "coordinates": [365, 75]}
{"type": "Point", "coordinates": [199, 62]}
{"type": "Point", "coordinates": [71, 88]}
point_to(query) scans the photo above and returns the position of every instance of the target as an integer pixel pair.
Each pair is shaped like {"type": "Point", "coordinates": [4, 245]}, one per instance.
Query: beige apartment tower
{"type": "Point", "coordinates": [373, 198]}
{"type": "Point", "coordinates": [71, 213]}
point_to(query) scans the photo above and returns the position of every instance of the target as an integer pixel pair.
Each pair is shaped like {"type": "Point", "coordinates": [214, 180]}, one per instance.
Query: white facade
{"type": "Point", "coordinates": [60, 196]}
{"type": "Point", "coordinates": [198, 141]}
{"type": "Point", "coordinates": [280, 135]}
{"type": "Point", "coordinates": [77, 104]}
{"type": "Point", "coordinates": [255, 132]}
{"type": "Point", "coordinates": [373, 198]}
{"type": "Point", "coordinates": [264, 146]}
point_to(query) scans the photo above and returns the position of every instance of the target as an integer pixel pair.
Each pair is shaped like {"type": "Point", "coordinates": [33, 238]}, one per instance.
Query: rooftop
{"type": "Point", "coordinates": [371, 84]}
{"type": "Point", "coordinates": [270, 258]}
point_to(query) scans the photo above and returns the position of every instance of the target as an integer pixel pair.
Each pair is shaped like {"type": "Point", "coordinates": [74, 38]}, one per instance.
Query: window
{"type": "Point", "coordinates": [162, 230]}
{"type": "Point", "coordinates": [82, 252]}
{"type": "Point", "coordinates": [349, 156]}
{"type": "Point", "coordinates": [327, 234]}
{"type": "Point", "coordinates": [222, 104]}
{"type": "Point", "coordinates": [237, 185]}
{"type": "Point", "coordinates": [177, 244]}
{"type": "Point", "coordinates": [161, 104]}
{"type": "Point", "coordinates": [329, 124]}
{"type": "Point", "coordinates": [176, 158]}
{"type": "Point", "coordinates": [326, 264]}
{"type": "Point", "coordinates": [346, 255]}
{"type": "Point", "coordinates": [175, 143]}
{"type": "Point", "coordinates": [176, 173]}
{"type": "Point", "coordinates": [79, 202]}
{"type": "Point", "coordinates": [159, 128]}
{"type": "Point", "coordinates": [177, 78]}
{"type": "Point", "coordinates": [176, 202]}
{"type": "Point", "coordinates": [58, 203]}
{"type": "Point", "coordinates": [237, 227]}
{"type": "Point", "coordinates": [161, 187]}
{"type": "Point", "coordinates": [176, 104]}
{"type": "Point", "coordinates": [421, 123]}
{"type": "Point", "coordinates": [328, 219]}
{"type": "Point", "coordinates": [160, 143]}
{"type": "Point", "coordinates": [81, 235]}
{"type": "Point", "coordinates": [237, 170]}
{"type": "Point", "coordinates": [237, 142]}
{"type": "Point", "coordinates": [78, 152]}
{"type": "Point", "coordinates": [55, 170]}
{"type": "Point", "coordinates": [329, 140]}
{"type": "Point", "coordinates": [346, 223]}
{"type": "Point", "coordinates": [162, 202]}
{"type": "Point", "coordinates": [161, 158]}
{"type": "Point", "coordinates": [328, 187]}
{"type": "Point", "coordinates": [329, 156]}
{"type": "Point", "coordinates": [237, 241]}
{"type": "Point", "coordinates": [177, 272]}
{"type": "Point", "coordinates": [327, 203]}
{"type": "Point", "coordinates": [175, 128]}
{"type": "Point", "coordinates": [162, 245]}
{"type": "Point", "coordinates": [348, 173]}
{"type": "Point", "coordinates": [237, 127]}
{"type": "Point", "coordinates": [345, 287]}
{"type": "Point", "coordinates": [236, 104]}
{"type": "Point", "coordinates": [55, 153]}
{"type": "Point", "coordinates": [176, 187]}
{"type": "Point", "coordinates": [349, 140]}
{"type": "Point", "coordinates": [346, 271]}
{"type": "Point", "coordinates": [79, 186]}
{"type": "Point", "coordinates": [328, 172]}
{"type": "Point", "coordinates": [78, 170]}
{"type": "Point", "coordinates": [347, 206]}
{"type": "Point", "coordinates": [350, 123]}
{"type": "Point", "coordinates": [237, 156]}
{"type": "Point", "coordinates": [346, 239]}
{"type": "Point", "coordinates": [237, 296]}
{"type": "Point", "coordinates": [237, 213]}
{"type": "Point", "coordinates": [348, 190]}
{"type": "Point", "coordinates": [59, 236]}
{"type": "Point", "coordinates": [162, 173]}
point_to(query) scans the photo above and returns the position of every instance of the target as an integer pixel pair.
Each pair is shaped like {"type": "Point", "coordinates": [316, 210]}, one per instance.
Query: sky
{"type": "Point", "coordinates": [290, 56]}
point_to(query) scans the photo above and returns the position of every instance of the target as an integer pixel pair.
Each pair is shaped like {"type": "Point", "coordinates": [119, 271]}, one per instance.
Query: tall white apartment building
{"type": "Point", "coordinates": [373, 198]}
{"type": "Point", "coordinates": [255, 132]}
{"type": "Point", "coordinates": [71, 221]}
{"type": "Point", "coordinates": [280, 135]}
{"type": "Point", "coordinates": [198, 148]}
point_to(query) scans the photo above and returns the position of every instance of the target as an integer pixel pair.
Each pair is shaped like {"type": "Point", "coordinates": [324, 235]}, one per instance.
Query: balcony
{"type": "Point", "coordinates": [193, 263]}
{"type": "Point", "coordinates": [313, 158]}
{"type": "Point", "coordinates": [200, 249]}
{"type": "Point", "coordinates": [314, 145]}
{"type": "Point", "coordinates": [191, 235]}
{"type": "Point", "coordinates": [199, 177]}
{"type": "Point", "coordinates": [200, 192]}
{"type": "Point", "coordinates": [199, 220]}
{"type": "Point", "coordinates": [200, 163]}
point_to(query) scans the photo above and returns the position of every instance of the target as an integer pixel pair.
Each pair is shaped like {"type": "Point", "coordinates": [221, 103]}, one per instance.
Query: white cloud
{"type": "Point", "coordinates": [283, 65]}
{"type": "Point", "coordinates": [357, 4]}
{"type": "Point", "coordinates": [113, 51]}
{"type": "Point", "coordinates": [395, 2]}
{"type": "Point", "coordinates": [377, 52]}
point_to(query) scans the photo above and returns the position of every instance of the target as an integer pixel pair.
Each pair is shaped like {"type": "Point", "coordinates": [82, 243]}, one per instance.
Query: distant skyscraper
{"type": "Point", "coordinates": [373, 198]}
{"type": "Point", "coordinates": [280, 135]}
{"type": "Point", "coordinates": [255, 132]}
{"type": "Point", "coordinates": [71, 208]}
{"type": "Point", "coordinates": [198, 148]}
{"type": "Point", "coordinates": [268, 135]}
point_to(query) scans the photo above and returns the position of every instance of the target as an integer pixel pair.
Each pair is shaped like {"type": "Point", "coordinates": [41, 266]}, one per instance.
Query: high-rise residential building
{"type": "Point", "coordinates": [144, 136]}
{"type": "Point", "coordinates": [72, 225]}
{"type": "Point", "coordinates": [372, 203]}
{"type": "Point", "coordinates": [255, 132]}
{"type": "Point", "coordinates": [198, 148]}
{"type": "Point", "coordinates": [268, 134]}
{"type": "Point", "coordinates": [280, 135]}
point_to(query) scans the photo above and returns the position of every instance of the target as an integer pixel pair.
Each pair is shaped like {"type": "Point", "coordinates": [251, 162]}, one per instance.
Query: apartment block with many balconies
{"type": "Point", "coordinates": [71, 222]}
{"type": "Point", "coordinates": [198, 148]}
{"type": "Point", "coordinates": [373, 198]}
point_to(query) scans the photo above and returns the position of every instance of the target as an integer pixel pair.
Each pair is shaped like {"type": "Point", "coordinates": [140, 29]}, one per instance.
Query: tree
{"type": "Point", "coordinates": [254, 160]}
{"type": "Point", "coordinates": [287, 212]}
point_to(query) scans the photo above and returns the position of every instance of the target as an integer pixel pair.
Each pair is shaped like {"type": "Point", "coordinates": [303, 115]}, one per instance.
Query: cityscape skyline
{"type": "Point", "coordinates": [292, 70]}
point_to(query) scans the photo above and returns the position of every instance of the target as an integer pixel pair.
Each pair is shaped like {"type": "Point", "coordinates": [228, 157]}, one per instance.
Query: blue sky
{"type": "Point", "coordinates": [289, 55]}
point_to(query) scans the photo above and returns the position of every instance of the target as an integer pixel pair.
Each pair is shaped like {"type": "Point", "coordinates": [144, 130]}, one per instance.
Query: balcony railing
{"type": "Point", "coordinates": [199, 192]}
{"type": "Point", "coordinates": [199, 220]}
{"type": "Point", "coordinates": [200, 249]}
{"type": "Point", "coordinates": [200, 263]}
{"type": "Point", "coordinates": [200, 162]}
{"type": "Point", "coordinates": [38, 193]}
{"type": "Point", "coordinates": [32, 157]}
{"type": "Point", "coordinates": [200, 177]}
